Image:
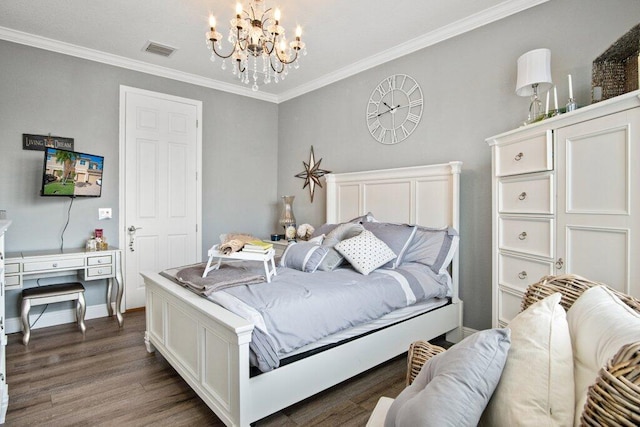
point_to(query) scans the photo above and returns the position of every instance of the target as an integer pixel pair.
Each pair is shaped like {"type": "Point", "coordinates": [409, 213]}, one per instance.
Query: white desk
{"type": "Point", "coordinates": [89, 265]}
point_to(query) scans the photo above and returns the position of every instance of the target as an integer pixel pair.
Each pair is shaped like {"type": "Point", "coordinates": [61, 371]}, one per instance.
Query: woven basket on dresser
{"type": "Point", "coordinates": [614, 399]}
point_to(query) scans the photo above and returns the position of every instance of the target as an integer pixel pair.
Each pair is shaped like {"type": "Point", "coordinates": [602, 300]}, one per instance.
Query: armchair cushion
{"type": "Point", "coordinates": [600, 323]}
{"type": "Point", "coordinates": [453, 387]}
{"type": "Point", "coordinates": [536, 387]}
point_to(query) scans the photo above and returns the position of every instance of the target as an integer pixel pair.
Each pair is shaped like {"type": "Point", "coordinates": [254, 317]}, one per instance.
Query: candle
{"type": "Point", "coordinates": [212, 22]}
{"type": "Point", "coordinates": [570, 88]}
{"type": "Point", "coordinates": [546, 108]}
{"type": "Point", "coordinates": [555, 97]}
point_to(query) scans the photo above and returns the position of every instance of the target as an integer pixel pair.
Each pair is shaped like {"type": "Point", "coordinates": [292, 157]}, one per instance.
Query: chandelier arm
{"type": "Point", "coordinates": [213, 47]}
{"type": "Point", "coordinates": [284, 61]}
{"type": "Point", "coordinates": [274, 68]}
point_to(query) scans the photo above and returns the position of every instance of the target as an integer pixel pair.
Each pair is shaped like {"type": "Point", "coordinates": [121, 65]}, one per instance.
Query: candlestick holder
{"type": "Point", "coordinates": [571, 105]}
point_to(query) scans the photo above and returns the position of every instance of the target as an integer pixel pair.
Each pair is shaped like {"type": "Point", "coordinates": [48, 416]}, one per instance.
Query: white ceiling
{"type": "Point", "coordinates": [343, 37]}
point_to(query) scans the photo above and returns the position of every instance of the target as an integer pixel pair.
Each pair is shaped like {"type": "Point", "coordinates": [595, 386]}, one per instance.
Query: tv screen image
{"type": "Point", "coordinates": [71, 174]}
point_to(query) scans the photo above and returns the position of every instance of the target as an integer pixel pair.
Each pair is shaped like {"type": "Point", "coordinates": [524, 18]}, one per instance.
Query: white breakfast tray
{"type": "Point", "coordinates": [266, 258]}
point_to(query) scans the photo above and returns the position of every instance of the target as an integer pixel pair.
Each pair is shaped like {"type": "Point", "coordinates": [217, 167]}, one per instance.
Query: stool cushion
{"type": "Point", "coordinates": [52, 290]}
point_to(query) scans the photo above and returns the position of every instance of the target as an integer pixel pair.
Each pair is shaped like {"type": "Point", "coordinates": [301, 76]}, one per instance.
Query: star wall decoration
{"type": "Point", "coordinates": [312, 174]}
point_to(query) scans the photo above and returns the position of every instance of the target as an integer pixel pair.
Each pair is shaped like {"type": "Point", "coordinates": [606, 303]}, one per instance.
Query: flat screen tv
{"type": "Point", "coordinates": [71, 174]}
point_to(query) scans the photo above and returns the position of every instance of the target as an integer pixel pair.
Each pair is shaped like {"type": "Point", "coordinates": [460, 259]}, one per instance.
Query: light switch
{"type": "Point", "coordinates": [104, 213]}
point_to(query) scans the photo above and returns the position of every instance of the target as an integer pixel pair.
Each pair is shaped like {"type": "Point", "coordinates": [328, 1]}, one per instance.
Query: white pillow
{"type": "Point", "coordinates": [365, 252]}
{"type": "Point", "coordinates": [599, 324]}
{"type": "Point", "coordinates": [536, 387]}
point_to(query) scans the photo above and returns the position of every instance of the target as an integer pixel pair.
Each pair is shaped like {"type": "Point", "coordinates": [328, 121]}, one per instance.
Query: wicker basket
{"type": "Point", "coordinates": [615, 72]}
{"type": "Point", "coordinates": [614, 399]}
{"type": "Point", "coordinates": [419, 353]}
{"type": "Point", "coordinates": [571, 286]}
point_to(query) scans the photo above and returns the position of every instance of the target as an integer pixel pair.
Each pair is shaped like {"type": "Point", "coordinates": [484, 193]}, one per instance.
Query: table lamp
{"type": "Point", "coordinates": [534, 76]}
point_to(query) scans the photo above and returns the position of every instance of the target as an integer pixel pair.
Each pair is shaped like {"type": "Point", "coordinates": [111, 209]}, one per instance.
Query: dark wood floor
{"type": "Point", "coordinates": [108, 378]}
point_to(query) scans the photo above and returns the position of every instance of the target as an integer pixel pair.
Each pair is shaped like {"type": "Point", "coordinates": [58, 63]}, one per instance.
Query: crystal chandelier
{"type": "Point", "coordinates": [259, 44]}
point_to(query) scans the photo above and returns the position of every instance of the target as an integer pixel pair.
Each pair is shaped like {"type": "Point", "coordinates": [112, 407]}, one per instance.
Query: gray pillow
{"type": "Point", "coordinates": [434, 247]}
{"type": "Point", "coordinates": [454, 387]}
{"type": "Point", "coordinates": [368, 217]}
{"type": "Point", "coordinates": [332, 261]}
{"type": "Point", "coordinates": [342, 232]}
{"type": "Point", "coordinates": [396, 236]}
{"type": "Point", "coordinates": [304, 256]}
{"type": "Point", "coordinates": [338, 233]}
{"type": "Point", "coordinates": [323, 229]}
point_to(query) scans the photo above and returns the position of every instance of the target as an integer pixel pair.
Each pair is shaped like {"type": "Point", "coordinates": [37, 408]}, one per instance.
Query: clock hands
{"type": "Point", "coordinates": [390, 109]}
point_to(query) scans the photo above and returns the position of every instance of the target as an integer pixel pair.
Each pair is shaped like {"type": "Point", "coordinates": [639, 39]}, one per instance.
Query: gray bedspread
{"type": "Point", "coordinates": [299, 308]}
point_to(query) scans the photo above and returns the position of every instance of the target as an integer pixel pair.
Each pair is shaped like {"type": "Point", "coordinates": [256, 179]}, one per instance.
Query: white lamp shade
{"type": "Point", "coordinates": [534, 67]}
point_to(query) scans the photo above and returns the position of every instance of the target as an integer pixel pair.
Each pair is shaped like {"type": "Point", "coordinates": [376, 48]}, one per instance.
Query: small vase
{"type": "Point", "coordinates": [287, 218]}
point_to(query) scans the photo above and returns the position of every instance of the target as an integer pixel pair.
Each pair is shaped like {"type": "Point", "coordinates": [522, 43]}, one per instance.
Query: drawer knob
{"type": "Point", "coordinates": [522, 235]}
{"type": "Point", "coordinates": [54, 265]}
{"type": "Point", "coordinates": [522, 196]}
{"type": "Point", "coordinates": [522, 275]}
{"type": "Point", "coordinates": [99, 261]}
{"type": "Point", "coordinates": [559, 263]}
{"type": "Point", "coordinates": [518, 157]}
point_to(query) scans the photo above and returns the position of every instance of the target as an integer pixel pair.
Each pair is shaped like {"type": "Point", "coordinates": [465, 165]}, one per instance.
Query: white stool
{"type": "Point", "coordinates": [48, 295]}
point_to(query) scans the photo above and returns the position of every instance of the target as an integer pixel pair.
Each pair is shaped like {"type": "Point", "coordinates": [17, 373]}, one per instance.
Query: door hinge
{"type": "Point", "coordinates": [196, 123]}
{"type": "Point", "coordinates": [196, 228]}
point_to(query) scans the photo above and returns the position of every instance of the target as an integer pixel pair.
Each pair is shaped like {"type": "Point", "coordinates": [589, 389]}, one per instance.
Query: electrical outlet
{"type": "Point", "coordinates": [104, 213]}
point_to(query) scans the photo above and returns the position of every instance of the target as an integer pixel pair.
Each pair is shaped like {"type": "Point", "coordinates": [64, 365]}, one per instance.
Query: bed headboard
{"type": "Point", "coordinates": [424, 195]}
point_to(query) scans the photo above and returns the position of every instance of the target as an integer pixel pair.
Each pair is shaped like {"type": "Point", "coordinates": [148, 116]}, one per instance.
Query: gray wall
{"type": "Point", "coordinates": [468, 83]}
{"type": "Point", "coordinates": [43, 92]}
{"type": "Point", "coordinates": [469, 90]}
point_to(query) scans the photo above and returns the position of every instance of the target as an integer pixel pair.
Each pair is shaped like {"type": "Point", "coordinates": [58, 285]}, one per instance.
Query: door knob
{"type": "Point", "coordinates": [133, 229]}
{"type": "Point", "coordinates": [132, 232]}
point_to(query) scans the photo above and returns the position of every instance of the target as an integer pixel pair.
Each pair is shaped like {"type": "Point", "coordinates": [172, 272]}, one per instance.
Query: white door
{"type": "Point", "coordinates": [161, 164]}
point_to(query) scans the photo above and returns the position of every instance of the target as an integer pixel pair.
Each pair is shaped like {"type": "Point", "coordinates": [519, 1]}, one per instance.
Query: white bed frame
{"type": "Point", "coordinates": [209, 346]}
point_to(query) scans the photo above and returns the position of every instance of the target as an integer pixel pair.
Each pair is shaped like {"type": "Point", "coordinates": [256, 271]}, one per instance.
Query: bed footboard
{"type": "Point", "coordinates": [209, 347]}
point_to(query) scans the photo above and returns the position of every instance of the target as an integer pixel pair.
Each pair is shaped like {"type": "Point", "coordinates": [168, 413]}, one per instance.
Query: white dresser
{"type": "Point", "coordinates": [566, 199]}
{"type": "Point", "coordinates": [4, 392]}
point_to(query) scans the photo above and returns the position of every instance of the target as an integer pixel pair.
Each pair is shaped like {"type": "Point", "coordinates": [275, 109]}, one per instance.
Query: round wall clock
{"type": "Point", "coordinates": [394, 109]}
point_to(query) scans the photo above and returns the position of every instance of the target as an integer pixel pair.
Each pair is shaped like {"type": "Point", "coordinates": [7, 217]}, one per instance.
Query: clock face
{"type": "Point", "coordinates": [394, 109]}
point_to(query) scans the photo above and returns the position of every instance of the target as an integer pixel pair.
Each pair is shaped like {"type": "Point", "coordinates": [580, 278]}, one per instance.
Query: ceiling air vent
{"type": "Point", "coordinates": [158, 49]}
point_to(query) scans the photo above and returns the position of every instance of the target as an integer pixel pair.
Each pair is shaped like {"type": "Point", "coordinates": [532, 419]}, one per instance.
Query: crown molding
{"type": "Point", "coordinates": [464, 25]}
{"type": "Point", "coordinates": [487, 16]}
{"type": "Point", "coordinates": [131, 64]}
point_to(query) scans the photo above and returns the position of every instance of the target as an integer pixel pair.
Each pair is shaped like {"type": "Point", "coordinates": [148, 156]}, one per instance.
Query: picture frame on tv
{"type": "Point", "coordinates": [71, 174]}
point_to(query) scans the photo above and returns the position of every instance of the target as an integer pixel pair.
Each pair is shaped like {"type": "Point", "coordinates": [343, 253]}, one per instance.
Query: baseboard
{"type": "Point", "coordinates": [466, 332]}
{"type": "Point", "coordinates": [53, 318]}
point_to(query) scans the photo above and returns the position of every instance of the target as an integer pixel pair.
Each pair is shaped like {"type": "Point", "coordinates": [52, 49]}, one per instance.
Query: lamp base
{"type": "Point", "coordinates": [536, 113]}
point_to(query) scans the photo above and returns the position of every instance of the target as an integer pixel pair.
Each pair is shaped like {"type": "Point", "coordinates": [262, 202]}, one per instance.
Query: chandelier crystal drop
{"type": "Point", "coordinates": [256, 35]}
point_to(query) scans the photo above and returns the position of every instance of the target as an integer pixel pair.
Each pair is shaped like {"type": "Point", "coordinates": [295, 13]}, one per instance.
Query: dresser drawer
{"type": "Point", "coordinates": [509, 303]}
{"type": "Point", "coordinates": [98, 272]}
{"type": "Point", "coordinates": [533, 236]}
{"type": "Point", "coordinates": [60, 264]}
{"type": "Point", "coordinates": [518, 273]}
{"type": "Point", "coordinates": [99, 260]}
{"type": "Point", "coordinates": [12, 282]}
{"type": "Point", "coordinates": [528, 194]}
{"type": "Point", "coordinates": [532, 154]}
{"type": "Point", "coordinates": [12, 268]}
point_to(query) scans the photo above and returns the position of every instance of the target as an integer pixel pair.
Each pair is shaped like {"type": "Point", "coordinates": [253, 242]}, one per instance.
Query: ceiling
{"type": "Point", "coordinates": [343, 37]}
